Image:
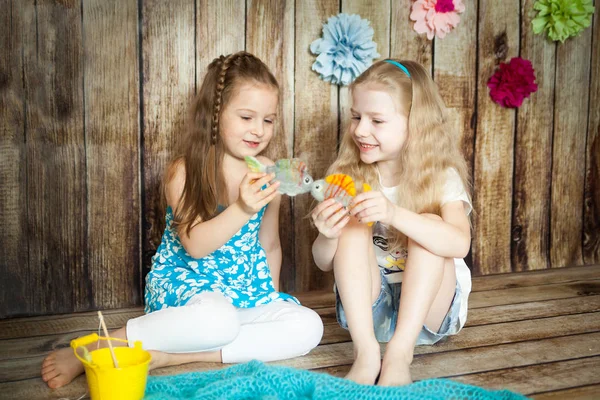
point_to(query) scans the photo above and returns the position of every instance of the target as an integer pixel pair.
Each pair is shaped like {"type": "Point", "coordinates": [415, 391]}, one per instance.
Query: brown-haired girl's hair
{"type": "Point", "coordinates": [431, 147]}
{"type": "Point", "coordinates": [201, 148]}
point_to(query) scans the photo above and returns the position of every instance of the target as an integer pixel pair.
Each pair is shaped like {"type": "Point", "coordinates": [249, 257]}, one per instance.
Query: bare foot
{"type": "Point", "coordinates": [367, 364]}
{"type": "Point", "coordinates": [60, 367]}
{"type": "Point", "coordinates": [395, 369]}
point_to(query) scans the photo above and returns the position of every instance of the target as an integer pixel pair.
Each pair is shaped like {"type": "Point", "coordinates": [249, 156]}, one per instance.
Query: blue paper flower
{"type": "Point", "coordinates": [345, 50]}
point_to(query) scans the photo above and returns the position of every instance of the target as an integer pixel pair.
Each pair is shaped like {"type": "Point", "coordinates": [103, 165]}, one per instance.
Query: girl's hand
{"type": "Point", "coordinates": [372, 207]}
{"type": "Point", "coordinates": [330, 217]}
{"type": "Point", "coordinates": [252, 198]}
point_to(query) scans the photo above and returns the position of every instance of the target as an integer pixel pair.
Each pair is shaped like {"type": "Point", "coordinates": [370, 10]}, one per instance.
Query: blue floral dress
{"type": "Point", "coordinates": [239, 270]}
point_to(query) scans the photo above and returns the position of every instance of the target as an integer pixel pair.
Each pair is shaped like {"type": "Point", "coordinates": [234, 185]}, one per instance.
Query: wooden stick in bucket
{"type": "Point", "coordinates": [112, 352]}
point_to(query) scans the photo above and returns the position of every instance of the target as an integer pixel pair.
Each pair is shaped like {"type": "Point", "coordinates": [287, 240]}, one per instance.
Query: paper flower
{"type": "Point", "coordinates": [436, 17]}
{"type": "Point", "coordinates": [345, 50]}
{"type": "Point", "coordinates": [562, 18]}
{"type": "Point", "coordinates": [512, 82]}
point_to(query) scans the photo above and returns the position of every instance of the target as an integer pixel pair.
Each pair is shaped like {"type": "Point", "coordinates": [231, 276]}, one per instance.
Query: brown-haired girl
{"type": "Point", "coordinates": [404, 281]}
{"type": "Point", "coordinates": [212, 293]}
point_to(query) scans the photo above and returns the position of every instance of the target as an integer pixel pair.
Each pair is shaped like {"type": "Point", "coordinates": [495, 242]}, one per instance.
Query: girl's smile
{"type": "Point", "coordinates": [251, 144]}
{"type": "Point", "coordinates": [365, 147]}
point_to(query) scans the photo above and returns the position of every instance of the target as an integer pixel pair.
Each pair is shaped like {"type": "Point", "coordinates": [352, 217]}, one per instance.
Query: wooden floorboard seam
{"type": "Point", "coordinates": [539, 364]}
{"type": "Point", "coordinates": [521, 320]}
{"type": "Point", "coordinates": [570, 388]}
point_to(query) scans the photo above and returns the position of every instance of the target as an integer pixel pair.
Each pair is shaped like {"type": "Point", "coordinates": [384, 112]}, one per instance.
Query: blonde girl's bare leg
{"type": "Point", "coordinates": [428, 287]}
{"type": "Point", "coordinates": [358, 284]}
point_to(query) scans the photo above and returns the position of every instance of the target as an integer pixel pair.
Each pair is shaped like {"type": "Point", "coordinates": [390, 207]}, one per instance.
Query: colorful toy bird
{"type": "Point", "coordinates": [290, 172]}
{"type": "Point", "coordinates": [338, 186]}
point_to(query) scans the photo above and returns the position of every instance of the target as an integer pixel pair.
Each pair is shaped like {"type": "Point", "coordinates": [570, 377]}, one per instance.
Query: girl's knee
{"type": "Point", "coordinates": [309, 328]}
{"type": "Point", "coordinates": [354, 235]}
{"type": "Point", "coordinates": [217, 315]}
{"type": "Point", "coordinates": [353, 226]}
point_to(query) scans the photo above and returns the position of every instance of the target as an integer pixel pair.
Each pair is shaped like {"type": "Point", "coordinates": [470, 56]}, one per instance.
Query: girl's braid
{"type": "Point", "coordinates": [225, 63]}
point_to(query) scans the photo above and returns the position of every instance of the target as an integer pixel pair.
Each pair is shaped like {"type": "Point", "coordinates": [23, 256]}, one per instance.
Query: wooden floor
{"type": "Point", "coordinates": [536, 333]}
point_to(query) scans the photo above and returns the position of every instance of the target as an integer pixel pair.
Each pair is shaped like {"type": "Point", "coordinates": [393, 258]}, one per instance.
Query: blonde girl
{"type": "Point", "coordinates": [404, 280]}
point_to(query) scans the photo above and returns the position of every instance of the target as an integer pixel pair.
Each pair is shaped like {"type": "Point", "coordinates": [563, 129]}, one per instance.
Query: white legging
{"type": "Point", "coordinates": [208, 322]}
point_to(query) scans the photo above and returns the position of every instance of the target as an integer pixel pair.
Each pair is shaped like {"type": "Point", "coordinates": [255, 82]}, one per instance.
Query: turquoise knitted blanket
{"type": "Point", "coordinates": [255, 380]}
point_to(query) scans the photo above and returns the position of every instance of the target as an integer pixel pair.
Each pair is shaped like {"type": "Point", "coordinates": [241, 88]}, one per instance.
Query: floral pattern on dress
{"type": "Point", "coordinates": [239, 270]}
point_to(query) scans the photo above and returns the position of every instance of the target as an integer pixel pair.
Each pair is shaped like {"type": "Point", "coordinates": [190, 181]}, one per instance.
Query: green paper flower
{"type": "Point", "coordinates": [562, 18]}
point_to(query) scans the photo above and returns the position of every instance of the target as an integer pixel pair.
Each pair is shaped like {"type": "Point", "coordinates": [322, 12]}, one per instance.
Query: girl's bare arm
{"type": "Point", "coordinates": [205, 237]}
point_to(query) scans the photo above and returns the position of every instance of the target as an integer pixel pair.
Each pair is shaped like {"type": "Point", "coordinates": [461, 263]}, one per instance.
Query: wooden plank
{"type": "Point", "coordinates": [111, 94]}
{"type": "Point", "coordinates": [533, 310]}
{"type": "Point", "coordinates": [490, 358]}
{"type": "Point", "coordinates": [269, 36]}
{"type": "Point", "coordinates": [168, 70]}
{"type": "Point", "coordinates": [13, 349]}
{"type": "Point", "coordinates": [13, 190]}
{"type": "Point", "coordinates": [543, 377]}
{"type": "Point", "coordinates": [591, 392]}
{"type": "Point", "coordinates": [568, 169]}
{"type": "Point", "coordinates": [315, 133]}
{"type": "Point", "coordinates": [535, 278]}
{"type": "Point", "coordinates": [533, 293]}
{"type": "Point", "coordinates": [457, 80]}
{"type": "Point", "coordinates": [405, 43]}
{"type": "Point", "coordinates": [327, 315]}
{"type": "Point", "coordinates": [517, 331]}
{"type": "Point", "coordinates": [533, 155]}
{"type": "Point", "coordinates": [50, 324]}
{"type": "Point", "coordinates": [591, 197]}
{"type": "Point", "coordinates": [56, 166]}
{"type": "Point", "coordinates": [220, 30]}
{"type": "Point", "coordinates": [35, 388]}
{"type": "Point", "coordinates": [493, 172]}
{"type": "Point", "coordinates": [23, 328]}
{"type": "Point", "coordinates": [316, 298]}
{"type": "Point", "coordinates": [377, 12]}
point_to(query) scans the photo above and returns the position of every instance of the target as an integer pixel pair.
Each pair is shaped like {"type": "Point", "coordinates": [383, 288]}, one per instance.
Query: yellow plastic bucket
{"type": "Point", "coordinates": [128, 382]}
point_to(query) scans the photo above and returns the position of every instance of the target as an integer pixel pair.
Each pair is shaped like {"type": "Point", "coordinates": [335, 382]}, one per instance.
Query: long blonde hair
{"type": "Point", "coordinates": [201, 148]}
{"type": "Point", "coordinates": [430, 149]}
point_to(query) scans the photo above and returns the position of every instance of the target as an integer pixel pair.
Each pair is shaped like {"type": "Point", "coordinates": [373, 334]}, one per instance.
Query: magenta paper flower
{"type": "Point", "coordinates": [436, 17]}
{"type": "Point", "coordinates": [512, 82]}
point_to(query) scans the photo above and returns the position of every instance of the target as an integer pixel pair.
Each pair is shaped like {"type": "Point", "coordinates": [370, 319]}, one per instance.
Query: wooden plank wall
{"type": "Point", "coordinates": [93, 93]}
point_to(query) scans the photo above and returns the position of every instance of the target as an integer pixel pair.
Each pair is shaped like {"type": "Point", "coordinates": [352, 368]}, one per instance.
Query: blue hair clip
{"type": "Point", "coordinates": [397, 64]}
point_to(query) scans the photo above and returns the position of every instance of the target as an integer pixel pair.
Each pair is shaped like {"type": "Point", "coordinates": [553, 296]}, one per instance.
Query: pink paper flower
{"type": "Point", "coordinates": [436, 17]}
{"type": "Point", "coordinates": [512, 82]}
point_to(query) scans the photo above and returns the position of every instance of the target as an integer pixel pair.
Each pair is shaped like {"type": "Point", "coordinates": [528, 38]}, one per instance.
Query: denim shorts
{"type": "Point", "coordinates": [385, 315]}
